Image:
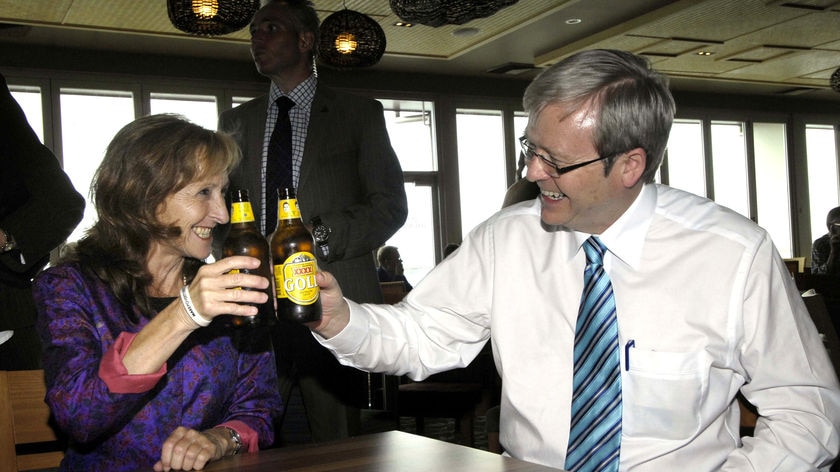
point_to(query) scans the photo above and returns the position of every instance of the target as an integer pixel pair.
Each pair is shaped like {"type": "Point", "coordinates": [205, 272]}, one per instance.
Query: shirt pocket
{"type": "Point", "coordinates": [662, 393]}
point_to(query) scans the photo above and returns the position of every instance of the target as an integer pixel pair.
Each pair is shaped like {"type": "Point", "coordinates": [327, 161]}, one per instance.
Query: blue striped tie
{"type": "Point", "coordinates": [595, 433]}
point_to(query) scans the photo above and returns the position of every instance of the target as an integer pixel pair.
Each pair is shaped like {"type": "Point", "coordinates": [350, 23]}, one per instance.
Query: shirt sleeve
{"type": "Point", "coordinates": [113, 372]}
{"type": "Point", "coordinates": [789, 377]}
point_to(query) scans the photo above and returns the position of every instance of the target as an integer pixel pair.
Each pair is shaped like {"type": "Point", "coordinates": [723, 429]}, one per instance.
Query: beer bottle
{"type": "Point", "coordinates": [245, 239]}
{"type": "Point", "coordinates": [293, 252]}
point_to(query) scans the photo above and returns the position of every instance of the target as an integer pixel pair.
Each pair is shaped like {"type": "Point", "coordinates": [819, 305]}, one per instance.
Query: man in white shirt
{"type": "Point", "coordinates": [704, 305]}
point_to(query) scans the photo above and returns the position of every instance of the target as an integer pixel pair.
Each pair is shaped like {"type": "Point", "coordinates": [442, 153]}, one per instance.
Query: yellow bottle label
{"type": "Point", "coordinates": [288, 209]}
{"type": "Point", "coordinates": [241, 212]}
{"type": "Point", "coordinates": [295, 279]}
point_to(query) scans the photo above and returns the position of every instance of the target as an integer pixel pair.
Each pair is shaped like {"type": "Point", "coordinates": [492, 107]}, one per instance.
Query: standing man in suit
{"type": "Point", "coordinates": [349, 188]}
{"type": "Point", "coordinates": [39, 208]}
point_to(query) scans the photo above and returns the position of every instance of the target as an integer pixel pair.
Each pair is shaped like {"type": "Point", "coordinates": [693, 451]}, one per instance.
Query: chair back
{"type": "Point", "coordinates": [795, 265]}
{"type": "Point", "coordinates": [27, 439]}
{"type": "Point", "coordinates": [392, 292]}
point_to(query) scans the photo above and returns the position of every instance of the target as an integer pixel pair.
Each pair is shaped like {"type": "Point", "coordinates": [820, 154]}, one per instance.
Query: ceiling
{"type": "Point", "coordinates": [766, 47]}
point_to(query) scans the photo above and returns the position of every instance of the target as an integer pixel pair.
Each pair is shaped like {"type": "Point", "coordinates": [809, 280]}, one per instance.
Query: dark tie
{"type": "Point", "coordinates": [595, 433]}
{"type": "Point", "coordinates": [278, 171]}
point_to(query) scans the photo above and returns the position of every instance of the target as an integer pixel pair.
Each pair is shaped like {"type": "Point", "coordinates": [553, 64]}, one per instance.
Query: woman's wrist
{"type": "Point", "coordinates": [232, 438]}
{"type": "Point", "coordinates": [190, 309]}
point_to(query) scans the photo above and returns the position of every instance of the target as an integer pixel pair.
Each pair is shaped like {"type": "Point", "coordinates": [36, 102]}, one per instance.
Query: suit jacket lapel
{"type": "Point", "coordinates": [319, 129]}
{"type": "Point", "coordinates": [254, 127]}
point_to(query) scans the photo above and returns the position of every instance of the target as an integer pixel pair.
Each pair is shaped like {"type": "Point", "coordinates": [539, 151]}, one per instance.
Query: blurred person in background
{"type": "Point", "coordinates": [39, 208]}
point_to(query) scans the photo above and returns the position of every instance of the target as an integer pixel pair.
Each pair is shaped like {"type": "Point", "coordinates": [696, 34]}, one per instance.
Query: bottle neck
{"type": "Point", "coordinates": [241, 212]}
{"type": "Point", "coordinates": [287, 209]}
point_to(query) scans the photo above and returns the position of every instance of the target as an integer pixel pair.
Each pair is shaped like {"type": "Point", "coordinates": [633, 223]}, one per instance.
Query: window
{"type": "Point", "coordinates": [89, 121]}
{"type": "Point", "coordinates": [520, 122]}
{"type": "Point", "coordinates": [481, 165]}
{"type": "Point", "coordinates": [822, 174]}
{"type": "Point", "coordinates": [409, 125]}
{"type": "Point", "coordinates": [686, 159]}
{"type": "Point", "coordinates": [729, 165]}
{"type": "Point", "coordinates": [29, 99]}
{"type": "Point", "coordinates": [200, 109]}
{"type": "Point", "coordinates": [772, 184]}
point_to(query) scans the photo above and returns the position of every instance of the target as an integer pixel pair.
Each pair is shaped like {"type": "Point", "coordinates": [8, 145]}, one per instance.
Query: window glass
{"type": "Point", "coordinates": [481, 165]}
{"type": "Point", "coordinates": [772, 184]}
{"type": "Point", "coordinates": [409, 125]}
{"type": "Point", "coordinates": [822, 174]}
{"type": "Point", "coordinates": [686, 161]}
{"type": "Point", "coordinates": [200, 109]}
{"type": "Point", "coordinates": [520, 122]}
{"type": "Point", "coordinates": [89, 120]}
{"type": "Point", "coordinates": [729, 161]}
{"type": "Point", "coordinates": [29, 99]}
{"type": "Point", "coordinates": [416, 239]}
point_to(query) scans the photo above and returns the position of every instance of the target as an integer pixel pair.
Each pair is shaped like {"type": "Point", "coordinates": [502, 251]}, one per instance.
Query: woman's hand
{"type": "Point", "coordinates": [188, 449]}
{"type": "Point", "coordinates": [215, 290]}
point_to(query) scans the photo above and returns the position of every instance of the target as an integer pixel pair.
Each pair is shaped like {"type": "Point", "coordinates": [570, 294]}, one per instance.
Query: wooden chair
{"type": "Point", "coordinates": [460, 394]}
{"type": "Point", "coordinates": [392, 292]}
{"type": "Point", "coordinates": [795, 265]}
{"type": "Point", "coordinates": [27, 440]}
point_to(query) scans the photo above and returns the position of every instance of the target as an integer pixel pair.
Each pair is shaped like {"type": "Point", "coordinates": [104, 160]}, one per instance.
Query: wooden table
{"type": "Point", "coordinates": [392, 451]}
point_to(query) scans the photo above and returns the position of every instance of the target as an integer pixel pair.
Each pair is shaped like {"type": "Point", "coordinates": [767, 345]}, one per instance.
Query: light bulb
{"type": "Point", "coordinates": [205, 9]}
{"type": "Point", "coordinates": [345, 43]}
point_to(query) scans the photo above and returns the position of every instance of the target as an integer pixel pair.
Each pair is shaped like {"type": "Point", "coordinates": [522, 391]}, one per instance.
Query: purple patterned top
{"type": "Point", "coordinates": [216, 376]}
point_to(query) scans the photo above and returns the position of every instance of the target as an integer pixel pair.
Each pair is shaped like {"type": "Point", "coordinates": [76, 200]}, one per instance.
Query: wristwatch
{"type": "Point", "coordinates": [8, 242]}
{"type": "Point", "coordinates": [236, 439]}
{"type": "Point", "coordinates": [321, 234]}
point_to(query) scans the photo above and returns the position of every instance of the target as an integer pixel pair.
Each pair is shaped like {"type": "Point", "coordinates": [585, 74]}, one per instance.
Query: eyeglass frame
{"type": "Point", "coordinates": [529, 151]}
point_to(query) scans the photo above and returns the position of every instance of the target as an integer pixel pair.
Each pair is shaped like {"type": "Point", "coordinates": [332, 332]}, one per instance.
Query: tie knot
{"type": "Point", "coordinates": [284, 104]}
{"type": "Point", "coordinates": [594, 249]}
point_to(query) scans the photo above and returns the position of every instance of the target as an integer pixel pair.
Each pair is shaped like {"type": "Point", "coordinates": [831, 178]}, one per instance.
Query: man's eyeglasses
{"type": "Point", "coordinates": [554, 170]}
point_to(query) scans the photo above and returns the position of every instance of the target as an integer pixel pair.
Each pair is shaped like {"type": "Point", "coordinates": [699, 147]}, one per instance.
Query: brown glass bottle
{"type": "Point", "coordinates": [293, 252]}
{"type": "Point", "coordinates": [245, 239]}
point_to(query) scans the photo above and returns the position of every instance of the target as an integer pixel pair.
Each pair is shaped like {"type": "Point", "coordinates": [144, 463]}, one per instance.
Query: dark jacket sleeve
{"type": "Point", "coordinates": [39, 206]}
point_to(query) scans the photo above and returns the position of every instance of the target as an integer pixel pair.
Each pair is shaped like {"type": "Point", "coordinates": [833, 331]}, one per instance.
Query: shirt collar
{"type": "Point", "coordinates": [625, 238]}
{"type": "Point", "coordinates": [302, 95]}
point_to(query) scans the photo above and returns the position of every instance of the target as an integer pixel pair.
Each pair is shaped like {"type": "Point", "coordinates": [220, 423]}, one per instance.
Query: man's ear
{"type": "Point", "coordinates": [632, 166]}
{"type": "Point", "coordinates": [307, 41]}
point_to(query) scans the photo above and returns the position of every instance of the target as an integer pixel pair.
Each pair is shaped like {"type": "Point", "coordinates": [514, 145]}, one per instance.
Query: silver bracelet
{"type": "Point", "coordinates": [190, 308]}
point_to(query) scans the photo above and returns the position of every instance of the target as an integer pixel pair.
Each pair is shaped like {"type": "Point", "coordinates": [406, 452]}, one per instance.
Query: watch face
{"type": "Point", "coordinates": [321, 233]}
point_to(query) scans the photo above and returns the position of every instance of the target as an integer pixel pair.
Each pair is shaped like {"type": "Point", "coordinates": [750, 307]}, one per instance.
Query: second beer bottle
{"type": "Point", "coordinates": [293, 252]}
{"type": "Point", "coordinates": [245, 239]}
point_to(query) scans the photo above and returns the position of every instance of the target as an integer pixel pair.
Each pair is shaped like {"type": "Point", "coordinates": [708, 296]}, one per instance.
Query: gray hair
{"type": "Point", "coordinates": [633, 106]}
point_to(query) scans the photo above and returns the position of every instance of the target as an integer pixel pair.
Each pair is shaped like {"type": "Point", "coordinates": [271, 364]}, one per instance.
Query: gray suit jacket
{"type": "Point", "coordinates": [349, 176]}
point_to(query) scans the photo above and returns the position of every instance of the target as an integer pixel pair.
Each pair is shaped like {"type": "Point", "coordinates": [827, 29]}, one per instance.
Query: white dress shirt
{"type": "Point", "coordinates": [705, 308]}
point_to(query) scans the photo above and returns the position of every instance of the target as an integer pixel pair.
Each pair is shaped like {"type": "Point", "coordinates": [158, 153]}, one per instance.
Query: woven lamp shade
{"type": "Point", "coordinates": [441, 12]}
{"type": "Point", "coordinates": [350, 39]}
{"type": "Point", "coordinates": [211, 17]}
